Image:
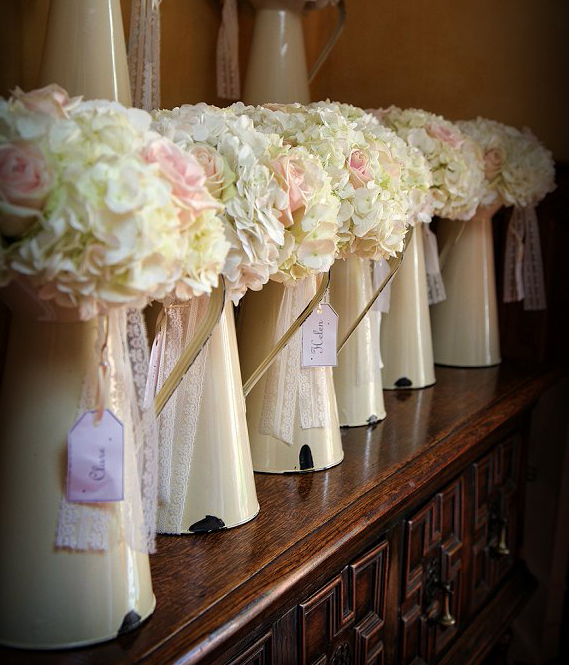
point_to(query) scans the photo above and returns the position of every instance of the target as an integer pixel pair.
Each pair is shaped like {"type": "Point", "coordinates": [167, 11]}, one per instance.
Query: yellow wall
{"type": "Point", "coordinates": [504, 59]}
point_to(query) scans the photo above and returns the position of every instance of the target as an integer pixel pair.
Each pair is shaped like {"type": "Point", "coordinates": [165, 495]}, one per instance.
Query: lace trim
{"type": "Point", "coordinates": [523, 265]}
{"type": "Point", "coordinates": [179, 419]}
{"type": "Point", "coordinates": [228, 84]}
{"type": "Point", "coordinates": [288, 384]}
{"type": "Point", "coordinates": [144, 54]}
{"type": "Point", "coordinates": [99, 527]}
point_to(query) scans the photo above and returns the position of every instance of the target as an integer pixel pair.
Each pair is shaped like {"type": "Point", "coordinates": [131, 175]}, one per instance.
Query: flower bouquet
{"type": "Point", "coordinates": [279, 216]}
{"type": "Point", "coordinates": [456, 165]}
{"type": "Point", "coordinates": [98, 215]}
{"type": "Point", "coordinates": [518, 171]}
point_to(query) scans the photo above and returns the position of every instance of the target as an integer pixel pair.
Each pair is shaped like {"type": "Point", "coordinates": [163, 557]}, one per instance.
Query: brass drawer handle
{"type": "Point", "coordinates": [446, 619]}
{"type": "Point", "coordinates": [501, 549]}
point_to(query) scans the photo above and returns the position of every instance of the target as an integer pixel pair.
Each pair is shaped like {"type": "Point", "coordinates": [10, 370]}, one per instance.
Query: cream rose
{"type": "Point", "coordinates": [219, 177]}
{"type": "Point", "coordinates": [493, 162]}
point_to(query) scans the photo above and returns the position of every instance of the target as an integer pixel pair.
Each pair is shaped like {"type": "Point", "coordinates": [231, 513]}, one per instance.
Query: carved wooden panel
{"type": "Point", "coordinates": [343, 623]}
{"type": "Point", "coordinates": [259, 653]}
{"type": "Point", "coordinates": [432, 567]}
{"type": "Point", "coordinates": [495, 482]}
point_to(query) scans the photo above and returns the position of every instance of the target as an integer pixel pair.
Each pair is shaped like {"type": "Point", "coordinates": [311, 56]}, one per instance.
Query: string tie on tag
{"type": "Point", "coordinates": [103, 372]}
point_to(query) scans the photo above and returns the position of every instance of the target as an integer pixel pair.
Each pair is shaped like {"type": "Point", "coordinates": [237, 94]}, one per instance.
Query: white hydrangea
{"type": "Point", "coordinates": [518, 168]}
{"type": "Point", "coordinates": [456, 161]}
{"type": "Point", "coordinates": [373, 213]}
{"type": "Point", "coordinates": [99, 212]}
{"type": "Point", "coordinates": [253, 198]}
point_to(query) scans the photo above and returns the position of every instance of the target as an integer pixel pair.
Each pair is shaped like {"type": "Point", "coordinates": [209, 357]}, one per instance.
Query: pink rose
{"type": "Point", "coordinates": [358, 165]}
{"type": "Point", "coordinates": [184, 173]}
{"type": "Point", "coordinates": [292, 176]}
{"type": "Point", "coordinates": [25, 179]}
{"type": "Point", "coordinates": [447, 134]}
{"type": "Point", "coordinates": [493, 162]}
{"type": "Point", "coordinates": [52, 100]}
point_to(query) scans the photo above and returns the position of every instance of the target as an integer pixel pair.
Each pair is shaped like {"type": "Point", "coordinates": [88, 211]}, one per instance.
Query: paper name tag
{"type": "Point", "coordinates": [95, 453]}
{"type": "Point", "coordinates": [319, 338]}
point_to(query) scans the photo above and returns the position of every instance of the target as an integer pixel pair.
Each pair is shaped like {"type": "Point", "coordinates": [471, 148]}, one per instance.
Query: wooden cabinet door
{"type": "Point", "coordinates": [343, 623]}
{"type": "Point", "coordinates": [432, 575]}
{"type": "Point", "coordinates": [495, 482]}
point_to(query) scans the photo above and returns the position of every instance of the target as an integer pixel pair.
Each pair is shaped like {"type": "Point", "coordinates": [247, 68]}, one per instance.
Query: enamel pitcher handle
{"type": "Point", "coordinates": [394, 262]}
{"type": "Point", "coordinates": [199, 340]}
{"type": "Point", "coordinates": [285, 339]}
{"type": "Point", "coordinates": [341, 7]}
{"type": "Point", "coordinates": [451, 240]}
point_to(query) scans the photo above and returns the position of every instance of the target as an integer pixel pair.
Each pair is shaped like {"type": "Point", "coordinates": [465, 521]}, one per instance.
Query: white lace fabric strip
{"type": "Point", "coordinates": [435, 285]}
{"type": "Point", "coordinates": [523, 264]}
{"type": "Point", "coordinates": [289, 386]}
{"type": "Point", "coordinates": [103, 526]}
{"type": "Point", "coordinates": [144, 54]}
{"type": "Point", "coordinates": [179, 419]}
{"type": "Point", "coordinates": [228, 83]}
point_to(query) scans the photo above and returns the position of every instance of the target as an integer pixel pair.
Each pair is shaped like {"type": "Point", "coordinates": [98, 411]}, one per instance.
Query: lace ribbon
{"type": "Point", "coordinates": [102, 526]}
{"type": "Point", "coordinates": [228, 84]}
{"type": "Point", "coordinates": [435, 285]}
{"type": "Point", "coordinates": [179, 419]}
{"type": "Point", "coordinates": [290, 386]}
{"type": "Point", "coordinates": [144, 54]}
{"type": "Point", "coordinates": [523, 265]}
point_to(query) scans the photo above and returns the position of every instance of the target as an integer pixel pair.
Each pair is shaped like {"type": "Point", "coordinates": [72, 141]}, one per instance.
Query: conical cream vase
{"type": "Point", "coordinates": [85, 51]}
{"type": "Point", "coordinates": [465, 325]}
{"type": "Point", "coordinates": [306, 449]}
{"type": "Point", "coordinates": [406, 340]}
{"type": "Point", "coordinates": [357, 378]}
{"type": "Point", "coordinates": [276, 71]}
{"type": "Point", "coordinates": [53, 597]}
{"type": "Point", "coordinates": [211, 486]}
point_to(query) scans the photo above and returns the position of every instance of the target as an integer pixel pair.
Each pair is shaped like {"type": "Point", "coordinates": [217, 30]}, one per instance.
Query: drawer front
{"type": "Point", "coordinates": [495, 480]}
{"type": "Point", "coordinates": [342, 623]}
{"type": "Point", "coordinates": [433, 575]}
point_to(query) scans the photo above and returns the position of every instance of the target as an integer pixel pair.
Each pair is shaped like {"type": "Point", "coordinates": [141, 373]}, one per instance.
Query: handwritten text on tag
{"type": "Point", "coordinates": [95, 453]}
{"type": "Point", "coordinates": [319, 335]}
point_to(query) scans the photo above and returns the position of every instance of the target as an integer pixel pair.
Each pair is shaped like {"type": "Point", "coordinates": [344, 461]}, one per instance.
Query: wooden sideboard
{"type": "Point", "coordinates": [369, 562]}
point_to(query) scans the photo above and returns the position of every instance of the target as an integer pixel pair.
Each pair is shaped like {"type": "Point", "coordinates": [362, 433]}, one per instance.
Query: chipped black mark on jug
{"type": "Point", "coordinates": [131, 621]}
{"type": "Point", "coordinates": [208, 524]}
{"type": "Point", "coordinates": [305, 458]}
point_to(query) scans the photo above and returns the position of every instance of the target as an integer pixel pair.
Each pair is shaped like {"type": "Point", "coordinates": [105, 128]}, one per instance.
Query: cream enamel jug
{"type": "Point", "coordinates": [406, 340]}
{"type": "Point", "coordinates": [85, 51]}
{"type": "Point", "coordinates": [54, 597]}
{"type": "Point", "coordinates": [277, 70]}
{"type": "Point", "coordinates": [465, 325]}
{"type": "Point", "coordinates": [207, 482]}
{"type": "Point", "coordinates": [357, 378]}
